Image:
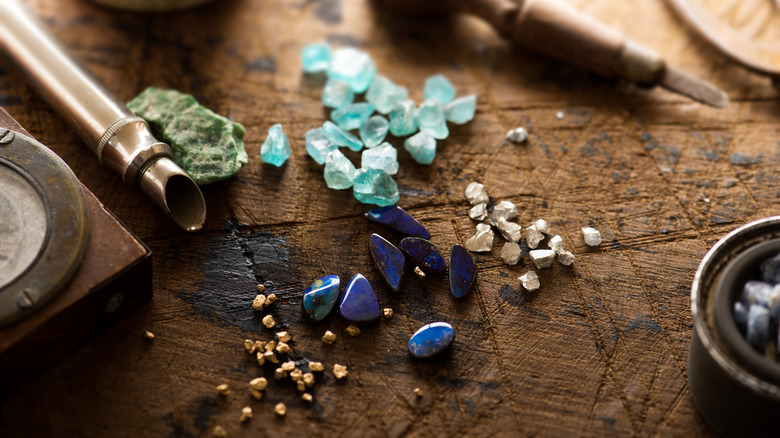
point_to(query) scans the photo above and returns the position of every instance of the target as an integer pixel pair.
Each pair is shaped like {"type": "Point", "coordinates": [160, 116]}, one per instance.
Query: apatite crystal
{"type": "Point", "coordinates": [207, 146]}
{"type": "Point", "coordinates": [337, 94]}
{"type": "Point", "coordinates": [389, 260]}
{"type": "Point", "coordinates": [422, 147]}
{"type": "Point", "coordinates": [403, 119]}
{"type": "Point", "coordinates": [461, 110]}
{"type": "Point", "coordinates": [758, 325]}
{"type": "Point", "coordinates": [438, 87]}
{"type": "Point", "coordinates": [463, 271]}
{"type": "Point", "coordinates": [373, 131]}
{"type": "Point", "coordinates": [320, 298]}
{"type": "Point", "coordinates": [341, 137]}
{"type": "Point", "coordinates": [770, 269]}
{"type": "Point", "coordinates": [359, 304]}
{"type": "Point", "coordinates": [383, 157]}
{"type": "Point", "coordinates": [339, 171]}
{"type": "Point", "coordinates": [431, 339]}
{"type": "Point", "coordinates": [318, 146]}
{"type": "Point", "coordinates": [276, 147]}
{"type": "Point", "coordinates": [353, 67]}
{"type": "Point", "coordinates": [424, 254]}
{"type": "Point", "coordinates": [352, 116]}
{"type": "Point", "coordinates": [315, 57]}
{"type": "Point", "coordinates": [385, 95]}
{"type": "Point", "coordinates": [375, 186]}
{"type": "Point", "coordinates": [398, 219]}
{"type": "Point", "coordinates": [430, 119]}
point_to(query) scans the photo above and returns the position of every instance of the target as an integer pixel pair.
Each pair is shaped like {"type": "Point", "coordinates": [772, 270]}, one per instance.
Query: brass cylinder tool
{"type": "Point", "coordinates": [556, 29]}
{"type": "Point", "coordinates": [122, 142]}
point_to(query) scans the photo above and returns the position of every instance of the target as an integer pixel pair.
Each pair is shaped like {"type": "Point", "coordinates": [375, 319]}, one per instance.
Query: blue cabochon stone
{"type": "Point", "coordinates": [463, 271]}
{"type": "Point", "coordinates": [431, 340]}
{"type": "Point", "coordinates": [398, 219]}
{"type": "Point", "coordinates": [424, 254]}
{"type": "Point", "coordinates": [390, 261]}
{"type": "Point", "coordinates": [320, 298]}
{"type": "Point", "coordinates": [359, 303]}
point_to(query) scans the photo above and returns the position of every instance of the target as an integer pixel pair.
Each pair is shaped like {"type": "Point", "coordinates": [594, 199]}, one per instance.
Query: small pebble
{"type": "Point", "coordinates": [352, 330]}
{"type": "Point", "coordinates": [307, 397]}
{"type": "Point", "coordinates": [566, 258]}
{"type": "Point", "coordinates": [530, 281]}
{"type": "Point", "coordinates": [258, 383]}
{"type": "Point", "coordinates": [316, 366]}
{"type": "Point", "coordinates": [419, 272]}
{"type": "Point", "coordinates": [482, 241]}
{"type": "Point", "coordinates": [591, 236]}
{"type": "Point", "coordinates": [259, 302]}
{"type": "Point", "coordinates": [476, 194]}
{"type": "Point", "coordinates": [517, 135]}
{"type": "Point", "coordinates": [219, 432]}
{"type": "Point", "coordinates": [148, 335]}
{"type": "Point", "coordinates": [329, 337]}
{"type": "Point", "coordinates": [280, 409]}
{"type": "Point", "coordinates": [509, 230]}
{"type": "Point", "coordinates": [542, 226]}
{"type": "Point", "coordinates": [542, 258]}
{"type": "Point", "coordinates": [223, 389]}
{"type": "Point", "coordinates": [478, 212]}
{"type": "Point", "coordinates": [511, 253]}
{"type": "Point", "coordinates": [268, 321]}
{"type": "Point", "coordinates": [246, 414]}
{"type": "Point", "coordinates": [418, 392]}
{"type": "Point", "coordinates": [556, 244]}
{"type": "Point", "coordinates": [387, 312]}
{"type": "Point", "coordinates": [340, 371]}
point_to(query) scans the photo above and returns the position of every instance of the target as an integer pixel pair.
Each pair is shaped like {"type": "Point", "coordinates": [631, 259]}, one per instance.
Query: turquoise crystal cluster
{"type": "Point", "coordinates": [385, 109]}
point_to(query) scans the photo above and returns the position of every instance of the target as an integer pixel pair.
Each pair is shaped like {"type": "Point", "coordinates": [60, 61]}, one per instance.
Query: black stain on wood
{"type": "Point", "coordinates": [329, 11]}
{"type": "Point", "coordinates": [204, 409]}
{"type": "Point", "coordinates": [260, 63]}
{"type": "Point", "coordinates": [643, 322]}
{"type": "Point", "coordinates": [512, 295]}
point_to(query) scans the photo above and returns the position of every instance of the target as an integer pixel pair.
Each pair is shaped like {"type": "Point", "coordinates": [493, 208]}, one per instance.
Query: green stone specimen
{"type": "Point", "coordinates": [341, 137]}
{"type": "Point", "coordinates": [385, 94]}
{"type": "Point", "coordinates": [339, 171]}
{"type": "Point", "coordinates": [315, 57]}
{"type": "Point", "coordinates": [430, 119]}
{"type": "Point", "coordinates": [373, 131]}
{"type": "Point", "coordinates": [352, 116]}
{"type": "Point", "coordinates": [375, 186]}
{"type": "Point", "coordinates": [461, 110]}
{"type": "Point", "coordinates": [403, 119]}
{"type": "Point", "coordinates": [439, 87]}
{"type": "Point", "coordinates": [318, 145]}
{"type": "Point", "coordinates": [383, 157]}
{"type": "Point", "coordinates": [337, 94]}
{"type": "Point", "coordinates": [276, 147]}
{"type": "Point", "coordinates": [422, 147]}
{"type": "Point", "coordinates": [207, 146]}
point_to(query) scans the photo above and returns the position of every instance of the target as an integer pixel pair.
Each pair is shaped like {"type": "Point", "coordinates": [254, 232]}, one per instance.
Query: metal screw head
{"type": "Point", "coordinates": [27, 298]}
{"type": "Point", "coordinates": [6, 136]}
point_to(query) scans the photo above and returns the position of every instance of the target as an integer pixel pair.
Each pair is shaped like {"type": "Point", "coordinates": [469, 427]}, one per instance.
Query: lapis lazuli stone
{"type": "Point", "coordinates": [318, 146]}
{"type": "Point", "coordinates": [352, 116]}
{"type": "Point", "coordinates": [341, 137]}
{"type": "Point", "coordinates": [276, 147]}
{"type": "Point", "coordinates": [337, 94]}
{"type": "Point", "coordinates": [403, 119]}
{"type": "Point", "coordinates": [383, 157]}
{"type": "Point", "coordinates": [373, 131]}
{"type": "Point", "coordinates": [430, 119]}
{"type": "Point", "coordinates": [389, 260]}
{"type": "Point", "coordinates": [461, 110]}
{"type": "Point", "coordinates": [440, 88]}
{"type": "Point", "coordinates": [424, 254]}
{"type": "Point", "coordinates": [385, 95]}
{"type": "Point", "coordinates": [353, 67]}
{"type": "Point", "coordinates": [315, 57]}
{"type": "Point", "coordinates": [359, 303]}
{"type": "Point", "coordinates": [375, 186]}
{"type": "Point", "coordinates": [422, 147]}
{"type": "Point", "coordinates": [463, 271]}
{"type": "Point", "coordinates": [431, 339]}
{"type": "Point", "coordinates": [320, 298]}
{"type": "Point", "coordinates": [398, 219]}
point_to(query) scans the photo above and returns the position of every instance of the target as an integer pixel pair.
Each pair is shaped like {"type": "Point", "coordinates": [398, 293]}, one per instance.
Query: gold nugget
{"type": "Point", "coordinates": [308, 379]}
{"type": "Point", "coordinates": [288, 366]}
{"type": "Point", "coordinates": [257, 395]}
{"type": "Point", "coordinates": [280, 374]}
{"type": "Point", "coordinates": [268, 321]}
{"type": "Point", "coordinates": [280, 409]}
{"type": "Point", "coordinates": [148, 335]}
{"type": "Point", "coordinates": [249, 345]}
{"type": "Point", "coordinates": [271, 357]}
{"type": "Point", "coordinates": [316, 366]}
{"type": "Point", "coordinates": [219, 432]}
{"type": "Point", "coordinates": [329, 337]}
{"type": "Point", "coordinates": [270, 346]}
{"type": "Point", "coordinates": [246, 414]}
{"type": "Point", "coordinates": [283, 336]}
{"type": "Point", "coordinates": [296, 375]}
{"type": "Point", "coordinates": [307, 397]}
{"type": "Point", "coordinates": [419, 272]}
{"type": "Point", "coordinates": [301, 386]}
{"type": "Point", "coordinates": [352, 330]}
{"type": "Point", "coordinates": [418, 392]}
{"type": "Point", "coordinates": [260, 288]}
{"type": "Point", "coordinates": [340, 371]}
{"type": "Point", "coordinates": [260, 359]}
{"type": "Point", "coordinates": [270, 299]}
{"type": "Point", "coordinates": [259, 302]}
{"type": "Point", "coordinates": [283, 348]}
{"type": "Point", "coordinates": [223, 389]}
{"type": "Point", "coordinates": [258, 383]}
{"type": "Point", "coordinates": [388, 312]}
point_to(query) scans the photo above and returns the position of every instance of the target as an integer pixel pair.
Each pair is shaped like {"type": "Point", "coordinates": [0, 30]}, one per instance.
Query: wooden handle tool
{"type": "Point", "coordinates": [556, 29]}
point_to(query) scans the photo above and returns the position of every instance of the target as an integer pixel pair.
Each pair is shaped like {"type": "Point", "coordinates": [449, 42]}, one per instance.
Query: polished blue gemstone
{"type": "Point", "coordinates": [321, 296]}
{"type": "Point", "coordinates": [463, 271]}
{"type": "Point", "coordinates": [389, 260]}
{"type": "Point", "coordinates": [431, 340]}
{"type": "Point", "coordinates": [398, 219]}
{"type": "Point", "coordinates": [424, 254]}
{"type": "Point", "coordinates": [359, 303]}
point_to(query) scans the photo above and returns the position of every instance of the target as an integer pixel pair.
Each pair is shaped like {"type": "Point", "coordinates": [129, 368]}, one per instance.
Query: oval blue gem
{"type": "Point", "coordinates": [359, 303]}
{"type": "Point", "coordinates": [398, 219]}
{"type": "Point", "coordinates": [320, 298]}
{"type": "Point", "coordinates": [424, 254]}
{"type": "Point", "coordinates": [389, 260]}
{"type": "Point", "coordinates": [431, 339]}
{"type": "Point", "coordinates": [463, 271]}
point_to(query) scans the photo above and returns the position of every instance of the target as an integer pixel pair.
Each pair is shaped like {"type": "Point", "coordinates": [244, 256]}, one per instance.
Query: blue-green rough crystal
{"type": "Point", "coordinates": [403, 119]}
{"type": "Point", "coordinates": [352, 116]}
{"type": "Point", "coordinates": [315, 57]}
{"type": "Point", "coordinates": [385, 94]}
{"type": "Point", "coordinates": [339, 171]}
{"type": "Point", "coordinates": [375, 186]}
{"type": "Point", "coordinates": [276, 147]}
{"type": "Point", "coordinates": [353, 67]}
{"type": "Point", "coordinates": [341, 137]}
{"type": "Point", "coordinates": [337, 94]}
{"type": "Point", "coordinates": [373, 131]}
{"type": "Point", "coordinates": [461, 110]}
{"type": "Point", "coordinates": [318, 145]}
{"type": "Point", "coordinates": [384, 157]}
{"type": "Point", "coordinates": [430, 119]}
{"type": "Point", "coordinates": [320, 298]}
{"type": "Point", "coordinates": [438, 87]}
{"type": "Point", "coordinates": [422, 147]}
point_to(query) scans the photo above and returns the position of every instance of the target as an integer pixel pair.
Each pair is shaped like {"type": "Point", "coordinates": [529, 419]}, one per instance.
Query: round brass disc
{"type": "Point", "coordinates": [44, 225]}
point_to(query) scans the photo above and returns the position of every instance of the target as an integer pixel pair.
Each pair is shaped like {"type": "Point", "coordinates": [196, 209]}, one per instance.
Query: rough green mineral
{"type": "Point", "coordinates": [207, 146]}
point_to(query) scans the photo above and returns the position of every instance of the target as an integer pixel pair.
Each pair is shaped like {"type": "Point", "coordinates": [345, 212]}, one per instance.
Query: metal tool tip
{"type": "Point", "coordinates": [175, 192]}
{"type": "Point", "coordinates": [694, 88]}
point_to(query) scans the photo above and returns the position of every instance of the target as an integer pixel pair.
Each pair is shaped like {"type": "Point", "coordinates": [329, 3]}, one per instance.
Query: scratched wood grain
{"type": "Point", "coordinates": [600, 350]}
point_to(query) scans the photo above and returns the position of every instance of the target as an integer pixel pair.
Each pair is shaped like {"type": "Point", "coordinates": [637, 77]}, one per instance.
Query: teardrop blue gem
{"type": "Point", "coordinates": [431, 340]}
{"type": "Point", "coordinates": [424, 254]}
{"type": "Point", "coordinates": [320, 298]}
{"type": "Point", "coordinates": [398, 219]}
{"type": "Point", "coordinates": [359, 303]}
{"type": "Point", "coordinates": [463, 271]}
{"type": "Point", "coordinates": [389, 260]}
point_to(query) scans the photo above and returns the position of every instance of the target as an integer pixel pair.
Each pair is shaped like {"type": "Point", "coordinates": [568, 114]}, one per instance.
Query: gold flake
{"type": "Point", "coordinates": [259, 302]}
{"type": "Point", "coordinates": [246, 414]}
{"type": "Point", "coordinates": [352, 330]}
{"type": "Point", "coordinates": [388, 312]}
{"type": "Point", "coordinates": [268, 321]}
{"type": "Point", "coordinates": [257, 395]}
{"type": "Point", "coordinates": [419, 272]}
{"type": "Point", "coordinates": [280, 409]}
{"type": "Point", "coordinates": [219, 432]}
{"type": "Point", "coordinates": [418, 392]}
{"type": "Point", "coordinates": [296, 375]}
{"type": "Point", "coordinates": [284, 336]}
{"type": "Point", "coordinates": [223, 389]}
{"type": "Point", "coordinates": [301, 386]}
{"type": "Point", "coordinates": [283, 348]}
{"type": "Point", "coordinates": [258, 383]}
{"type": "Point", "coordinates": [270, 346]}
{"type": "Point", "coordinates": [148, 335]}
{"type": "Point", "coordinates": [308, 379]}
{"type": "Point", "coordinates": [307, 397]}
{"type": "Point", "coordinates": [249, 345]}
{"type": "Point", "coordinates": [316, 366]}
{"type": "Point", "coordinates": [329, 337]}
{"type": "Point", "coordinates": [260, 359]}
{"type": "Point", "coordinates": [260, 288]}
{"type": "Point", "coordinates": [280, 374]}
{"type": "Point", "coordinates": [340, 371]}
{"type": "Point", "coordinates": [270, 299]}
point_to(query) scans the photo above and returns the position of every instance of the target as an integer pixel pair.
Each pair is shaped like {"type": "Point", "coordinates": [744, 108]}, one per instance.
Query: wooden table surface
{"type": "Point", "coordinates": [601, 349]}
